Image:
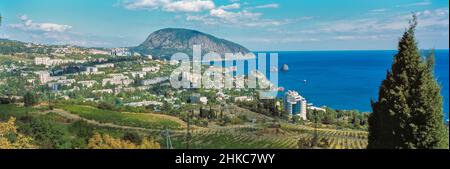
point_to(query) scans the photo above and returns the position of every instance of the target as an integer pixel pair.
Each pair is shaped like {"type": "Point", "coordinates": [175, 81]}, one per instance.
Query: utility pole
{"type": "Point", "coordinates": [168, 140]}
{"type": "Point", "coordinates": [188, 135]}
{"type": "Point", "coordinates": [316, 137]}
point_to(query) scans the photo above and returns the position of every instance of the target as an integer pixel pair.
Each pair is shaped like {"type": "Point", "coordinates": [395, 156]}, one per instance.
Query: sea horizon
{"type": "Point", "coordinates": [358, 75]}
{"type": "Point", "coordinates": [338, 50]}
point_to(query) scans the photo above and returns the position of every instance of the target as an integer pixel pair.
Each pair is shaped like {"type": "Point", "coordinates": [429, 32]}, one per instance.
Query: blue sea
{"type": "Point", "coordinates": [347, 79]}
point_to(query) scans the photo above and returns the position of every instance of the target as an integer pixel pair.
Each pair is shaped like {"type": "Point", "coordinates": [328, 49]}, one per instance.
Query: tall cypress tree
{"type": "Point", "coordinates": [408, 113]}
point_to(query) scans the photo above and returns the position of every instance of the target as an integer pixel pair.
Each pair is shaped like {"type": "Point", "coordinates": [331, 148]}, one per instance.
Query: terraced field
{"type": "Point", "coordinates": [223, 139]}
{"type": "Point", "coordinates": [149, 121]}
{"type": "Point", "coordinates": [260, 139]}
{"type": "Point", "coordinates": [339, 139]}
{"type": "Point", "coordinates": [229, 137]}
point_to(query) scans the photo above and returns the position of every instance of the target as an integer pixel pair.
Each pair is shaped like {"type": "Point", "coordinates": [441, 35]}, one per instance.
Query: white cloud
{"type": "Point", "coordinates": [277, 40]}
{"type": "Point", "coordinates": [52, 33]}
{"type": "Point", "coordinates": [424, 3]}
{"type": "Point", "coordinates": [171, 5]}
{"type": "Point", "coordinates": [378, 10]}
{"type": "Point", "coordinates": [189, 6]}
{"type": "Point", "coordinates": [267, 6]}
{"type": "Point", "coordinates": [4, 36]}
{"type": "Point", "coordinates": [357, 37]}
{"type": "Point", "coordinates": [231, 6]}
{"type": "Point", "coordinates": [427, 19]}
{"type": "Point", "coordinates": [208, 13]}
{"type": "Point", "coordinates": [232, 16]}
{"type": "Point", "coordinates": [28, 25]}
{"type": "Point", "coordinates": [242, 18]}
{"type": "Point", "coordinates": [145, 4]}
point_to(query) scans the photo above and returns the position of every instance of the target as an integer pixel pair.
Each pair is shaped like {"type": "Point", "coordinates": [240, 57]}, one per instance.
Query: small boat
{"type": "Point", "coordinates": [305, 81]}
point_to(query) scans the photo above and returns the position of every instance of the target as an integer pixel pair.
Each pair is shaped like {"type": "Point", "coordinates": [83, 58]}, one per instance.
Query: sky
{"type": "Point", "coordinates": [260, 25]}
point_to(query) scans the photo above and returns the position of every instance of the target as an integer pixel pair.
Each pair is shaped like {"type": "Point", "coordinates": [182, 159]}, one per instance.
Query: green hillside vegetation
{"type": "Point", "coordinates": [150, 121]}
{"type": "Point", "coordinates": [286, 137]}
{"type": "Point", "coordinates": [52, 130]}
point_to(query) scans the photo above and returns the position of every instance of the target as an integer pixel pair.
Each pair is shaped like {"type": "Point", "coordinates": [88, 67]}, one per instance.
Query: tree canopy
{"type": "Point", "coordinates": [409, 111]}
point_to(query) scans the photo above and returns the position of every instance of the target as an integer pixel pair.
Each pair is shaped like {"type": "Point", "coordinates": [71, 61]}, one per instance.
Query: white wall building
{"type": "Point", "coordinates": [295, 104]}
{"type": "Point", "coordinates": [120, 52]}
{"type": "Point", "coordinates": [151, 69]}
{"type": "Point", "coordinates": [138, 74]}
{"type": "Point", "coordinates": [88, 84]}
{"type": "Point", "coordinates": [154, 81]}
{"type": "Point", "coordinates": [143, 103]}
{"type": "Point", "coordinates": [106, 65]}
{"type": "Point", "coordinates": [42, 61]}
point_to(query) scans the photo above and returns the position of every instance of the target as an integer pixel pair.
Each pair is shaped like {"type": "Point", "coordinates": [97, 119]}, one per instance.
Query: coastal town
{"type": "Point", "coordinates": [127, 77]}
{"type": "Point", "coordinates": [124, 89]}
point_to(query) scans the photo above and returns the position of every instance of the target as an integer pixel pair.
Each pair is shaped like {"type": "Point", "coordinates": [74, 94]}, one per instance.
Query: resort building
{"type": "Point", "coordinates": [295, 104]}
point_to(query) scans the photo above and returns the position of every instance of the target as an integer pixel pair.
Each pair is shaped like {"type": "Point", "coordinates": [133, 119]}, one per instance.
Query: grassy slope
{"type": "Point", "coordinates": [244, 138]}
{"type": "Point", "coordinates": [151, 121]}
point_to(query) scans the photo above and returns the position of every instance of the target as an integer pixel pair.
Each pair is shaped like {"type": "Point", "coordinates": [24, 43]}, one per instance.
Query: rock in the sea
{"type": "Point", "coordinates": [285, 67]}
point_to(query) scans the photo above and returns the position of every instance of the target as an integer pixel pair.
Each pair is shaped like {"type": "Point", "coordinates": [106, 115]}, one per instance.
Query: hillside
{"type": "Point", "coordinates": [165, 42]}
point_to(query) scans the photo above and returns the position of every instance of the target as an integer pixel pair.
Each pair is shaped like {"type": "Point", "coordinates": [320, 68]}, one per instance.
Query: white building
{"type": "Point", "coordinates": [44, 77]}
{"type": "Point", "coordinates": [120, 52]}
{"type": "Point", "coordinates": [143, 103]}
{"type": "Point", "coordinates": [98, 52]}
{"type": "Point", "coordinates": [138, 74]}
{"type": "Point", "coordinates": [109, 91]}
{"type": "Point", "coordinates": [243, 99]}
{"type": "Point", "coordinates": [54, 62]}
{"type": "Point", "coordinates": [295, 104]}
{"type": "Point", "coordinates": [42, 61]}
{"type": "Point", "coordinates": [106, 65]}
{"type": "Point", "coordinates": [203, 100]}
{"type": "Point", "coordinates": [194, 79]}
{"type": "Point", "coordinates": [154, 81]}
{"type": "Point", "coordinates": [117, 79]}
{"type": "Point", "coordinates": [66, 82]}
{"type": "Point", "coordinates": [88, 84]}
{"type": "Point", "coordinates": [91, 69]}
{"type": "Point", "coordinates": [151, 69]}
{"type": "Point", "coordinates": [239, 82]}
{"type": "Point", "coordinates": [317, 108]}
